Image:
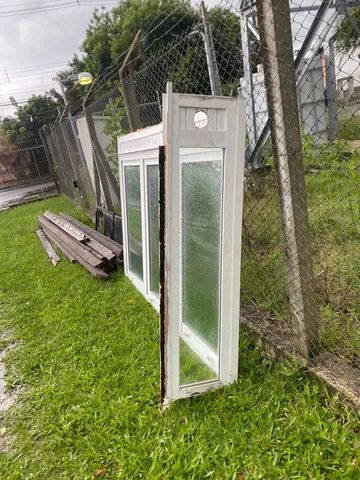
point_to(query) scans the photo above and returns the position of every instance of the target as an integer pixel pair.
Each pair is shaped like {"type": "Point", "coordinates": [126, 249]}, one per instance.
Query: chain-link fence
{"type": "Point", "coordinates": [301, 244]}
{"type": "Point", "coordinates": [317, 286]}
{"type": "Point", "coordinates": [23, 166]}
{"type": "Point", "coordinates": [70, 164]}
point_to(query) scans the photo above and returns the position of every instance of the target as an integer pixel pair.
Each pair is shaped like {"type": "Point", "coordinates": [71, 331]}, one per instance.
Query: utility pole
{"type": "Point", "coordinates": [280, 80]}
{"type": "Point", "coordinates": [210, 53]}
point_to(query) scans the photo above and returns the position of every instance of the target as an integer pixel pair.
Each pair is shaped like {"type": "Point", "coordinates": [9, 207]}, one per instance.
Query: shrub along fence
{"type": "Point", "coordinates": [298, 68]}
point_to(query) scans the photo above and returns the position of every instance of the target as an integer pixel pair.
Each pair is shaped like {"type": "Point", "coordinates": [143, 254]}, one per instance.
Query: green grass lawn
{"type": "Point", "coordinates": [332, 182]}
{"type": "Point", "coordinates": [87, 357]}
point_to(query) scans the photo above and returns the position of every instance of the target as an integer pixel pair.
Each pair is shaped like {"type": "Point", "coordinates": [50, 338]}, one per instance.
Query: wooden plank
{"type": "Point", "coordinates": [95, 272]}
{"type": "Point", "coordinates": [54, 258]}
{"type": "Point", "coordinates": [78, 248]}
{"type": "Point", "coordinates": [103, 251]}
{"type": "Point", "coordinates": [88, 247]}
{"type": "Point", "coordinates": [64, 249]}
{"type": "Point", "coordinates": [74, 257]}
{"type": "Point", "coordinates": [89, 255]}
{"type": "Point", "coordinates": [115, 247]}
{"type": "Point", "coordinates": [71, 230]}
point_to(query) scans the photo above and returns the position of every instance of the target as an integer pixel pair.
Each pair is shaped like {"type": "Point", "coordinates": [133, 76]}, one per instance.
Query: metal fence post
{"type": "Point", "coordinates": [280, 80]}
{"type": "Point", "coordinates": [249, 86]}
{"type": "Point", "coordinates": [59, 166]}
{"type": "Point", "coordinates": [128, 87]}
{"type": "Point", "coordinates": [102, 167]}
{"type": "Point", "coordinates": [77, 184]}
{"type": "Point", "coordinates": [210, 53]}
{"type": "Point", "coordinates": [301, 62]}
{"type": "Point", "coordinates": [49, 158]}
{"type": "Point", "coordinates": [35, 162]}
{"type": "Point", "coordinates": [331, 93]}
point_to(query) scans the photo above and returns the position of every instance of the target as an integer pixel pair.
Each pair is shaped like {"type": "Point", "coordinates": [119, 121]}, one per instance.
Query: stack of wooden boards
{"type": "Point", "coordinates": [79, 243]}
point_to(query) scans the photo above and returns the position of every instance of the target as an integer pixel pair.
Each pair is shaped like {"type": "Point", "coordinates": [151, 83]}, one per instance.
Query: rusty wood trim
{"type": "Point", "coordinates": [163, 296]}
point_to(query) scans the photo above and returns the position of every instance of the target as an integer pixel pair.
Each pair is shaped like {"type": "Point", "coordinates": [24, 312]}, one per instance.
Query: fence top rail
{"type": "Point", "coordinates": [8, 152]}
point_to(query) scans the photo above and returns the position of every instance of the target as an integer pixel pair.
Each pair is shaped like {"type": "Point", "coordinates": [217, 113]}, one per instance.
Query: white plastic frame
{"type": "Point", "coordinates": [140, 149]}
{"type": "Point", "coordinates": [225, 129]}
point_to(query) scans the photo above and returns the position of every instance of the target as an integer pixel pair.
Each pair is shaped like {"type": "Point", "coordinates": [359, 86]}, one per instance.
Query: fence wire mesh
{"type": "Point", "coordinates": [23, 166]}
{"type": "Point", "coordinates": [279, 258]}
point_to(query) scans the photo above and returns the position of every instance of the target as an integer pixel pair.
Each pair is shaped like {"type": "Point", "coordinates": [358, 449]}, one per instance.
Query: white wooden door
{"type": "Point", "coordinates": [204, 167]}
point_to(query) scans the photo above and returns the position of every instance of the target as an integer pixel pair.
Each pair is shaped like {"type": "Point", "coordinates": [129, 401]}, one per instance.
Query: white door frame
{"type": "Point", "coordinates": [153, 298]}
{"type": "Point", "coordinates": [139, 284]}
{"type": "Point", "coordinates": [226, 130]}
{"type": "Point", "coordinates": [141, 149]}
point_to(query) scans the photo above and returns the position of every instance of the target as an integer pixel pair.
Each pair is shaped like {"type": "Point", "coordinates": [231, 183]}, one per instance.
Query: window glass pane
{"type": "Point", "coordinates": [201, 220]}
{"type": "Point", "coordinates": [133, 213]}
{"type": "Point", "coordinates": [153, 214]}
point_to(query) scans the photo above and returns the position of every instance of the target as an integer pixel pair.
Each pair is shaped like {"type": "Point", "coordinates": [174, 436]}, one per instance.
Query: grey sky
{"type": "Point", "coordinates": [37, 39]}
{"type": "Point", "coordinates": [52, 37]}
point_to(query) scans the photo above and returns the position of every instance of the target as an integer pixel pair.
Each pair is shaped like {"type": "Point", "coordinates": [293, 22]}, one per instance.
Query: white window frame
{"type": "Point", "coordinates": [141, 149]}
{"type": "Point", "coordinates": [226, 130]}
{"type": "Point", "coordinates": [153, 299]}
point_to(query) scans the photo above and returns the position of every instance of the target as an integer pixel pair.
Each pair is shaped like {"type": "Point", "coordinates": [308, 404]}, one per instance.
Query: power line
{"type": "Point", "coordinates": [21, 69]}
{"type": "Point", "coordinates": [22, 92]}
{"type": "Point", "coordinates": [23, 101]}
{"type": "Point", "coordinates": [30, 74]}
{"type": "Point", "coordinates": [46, 8]}
{"type": "Point", "coordinates": [48, 3]}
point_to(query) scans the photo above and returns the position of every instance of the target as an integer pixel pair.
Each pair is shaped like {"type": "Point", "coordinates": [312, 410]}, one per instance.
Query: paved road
{"type": "Point", "coordinates": [14, 194]}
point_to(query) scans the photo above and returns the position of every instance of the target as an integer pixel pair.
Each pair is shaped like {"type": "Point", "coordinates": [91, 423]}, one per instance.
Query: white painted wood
{"type": "Point", "coordinates": [152, 297]}
{"type": "Point", "coordinates": [225, 129]}
{"type": "Point", "coordinates": [197, 345]}
{"type": "Point", "coordinates": [141, 140]}
{"type": "Point", "coordinates": [140, 148]}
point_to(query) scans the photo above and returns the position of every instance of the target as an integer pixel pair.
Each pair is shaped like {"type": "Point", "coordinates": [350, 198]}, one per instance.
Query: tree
{"type": "Point", "coordinates": [227, 44]}
{"type": "Point", "coordinates": [96, 47]}
{"type": "Point", "coordinates": [110, 34]}
{"type": "Point", "coordinates": [159, 20]}
{"type": "Point", "coordinates": [5, 144]}
{"type": "Point", "coordinates": [347, 36]}
{"type": "Point", "coordinates": [23, 129]}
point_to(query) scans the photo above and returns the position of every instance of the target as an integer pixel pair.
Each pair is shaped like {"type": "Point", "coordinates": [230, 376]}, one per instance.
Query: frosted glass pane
{"type": "Point", "coordinates": [153, 214]}
{"type": "Point", "coordinates": [201, 220]}
{"type": "Point", "coordinates": [133, 213]}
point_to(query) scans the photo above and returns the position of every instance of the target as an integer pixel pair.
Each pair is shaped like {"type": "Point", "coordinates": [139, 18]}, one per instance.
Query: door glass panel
{"type": "Point", "coordinates": [133, 214]}
{"type": "Point", "coordinates": [200, 267]}
{"type": "Point", "coordinates": [153, 216]}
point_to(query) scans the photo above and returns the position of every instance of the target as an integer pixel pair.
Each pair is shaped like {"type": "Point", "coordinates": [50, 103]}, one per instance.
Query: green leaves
{"type": "Point", "coordinates": [23, 131]}
{"type": "Point", "coordinates": [347, 35]}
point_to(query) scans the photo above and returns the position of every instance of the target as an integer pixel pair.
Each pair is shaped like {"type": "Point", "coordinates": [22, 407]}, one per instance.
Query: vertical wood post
{"type": "Point", "coordinates": [210, 53]}
{"type": "Point", "coordinates": [277, 52]}
{"type": "Point", "coordinates": [128, 87]}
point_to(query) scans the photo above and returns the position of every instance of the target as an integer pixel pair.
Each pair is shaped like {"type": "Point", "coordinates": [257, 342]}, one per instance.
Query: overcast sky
{"type": "Point", "coordinates": [33, 46]}
{"type": "Point", "coordinates": [37, 39]}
